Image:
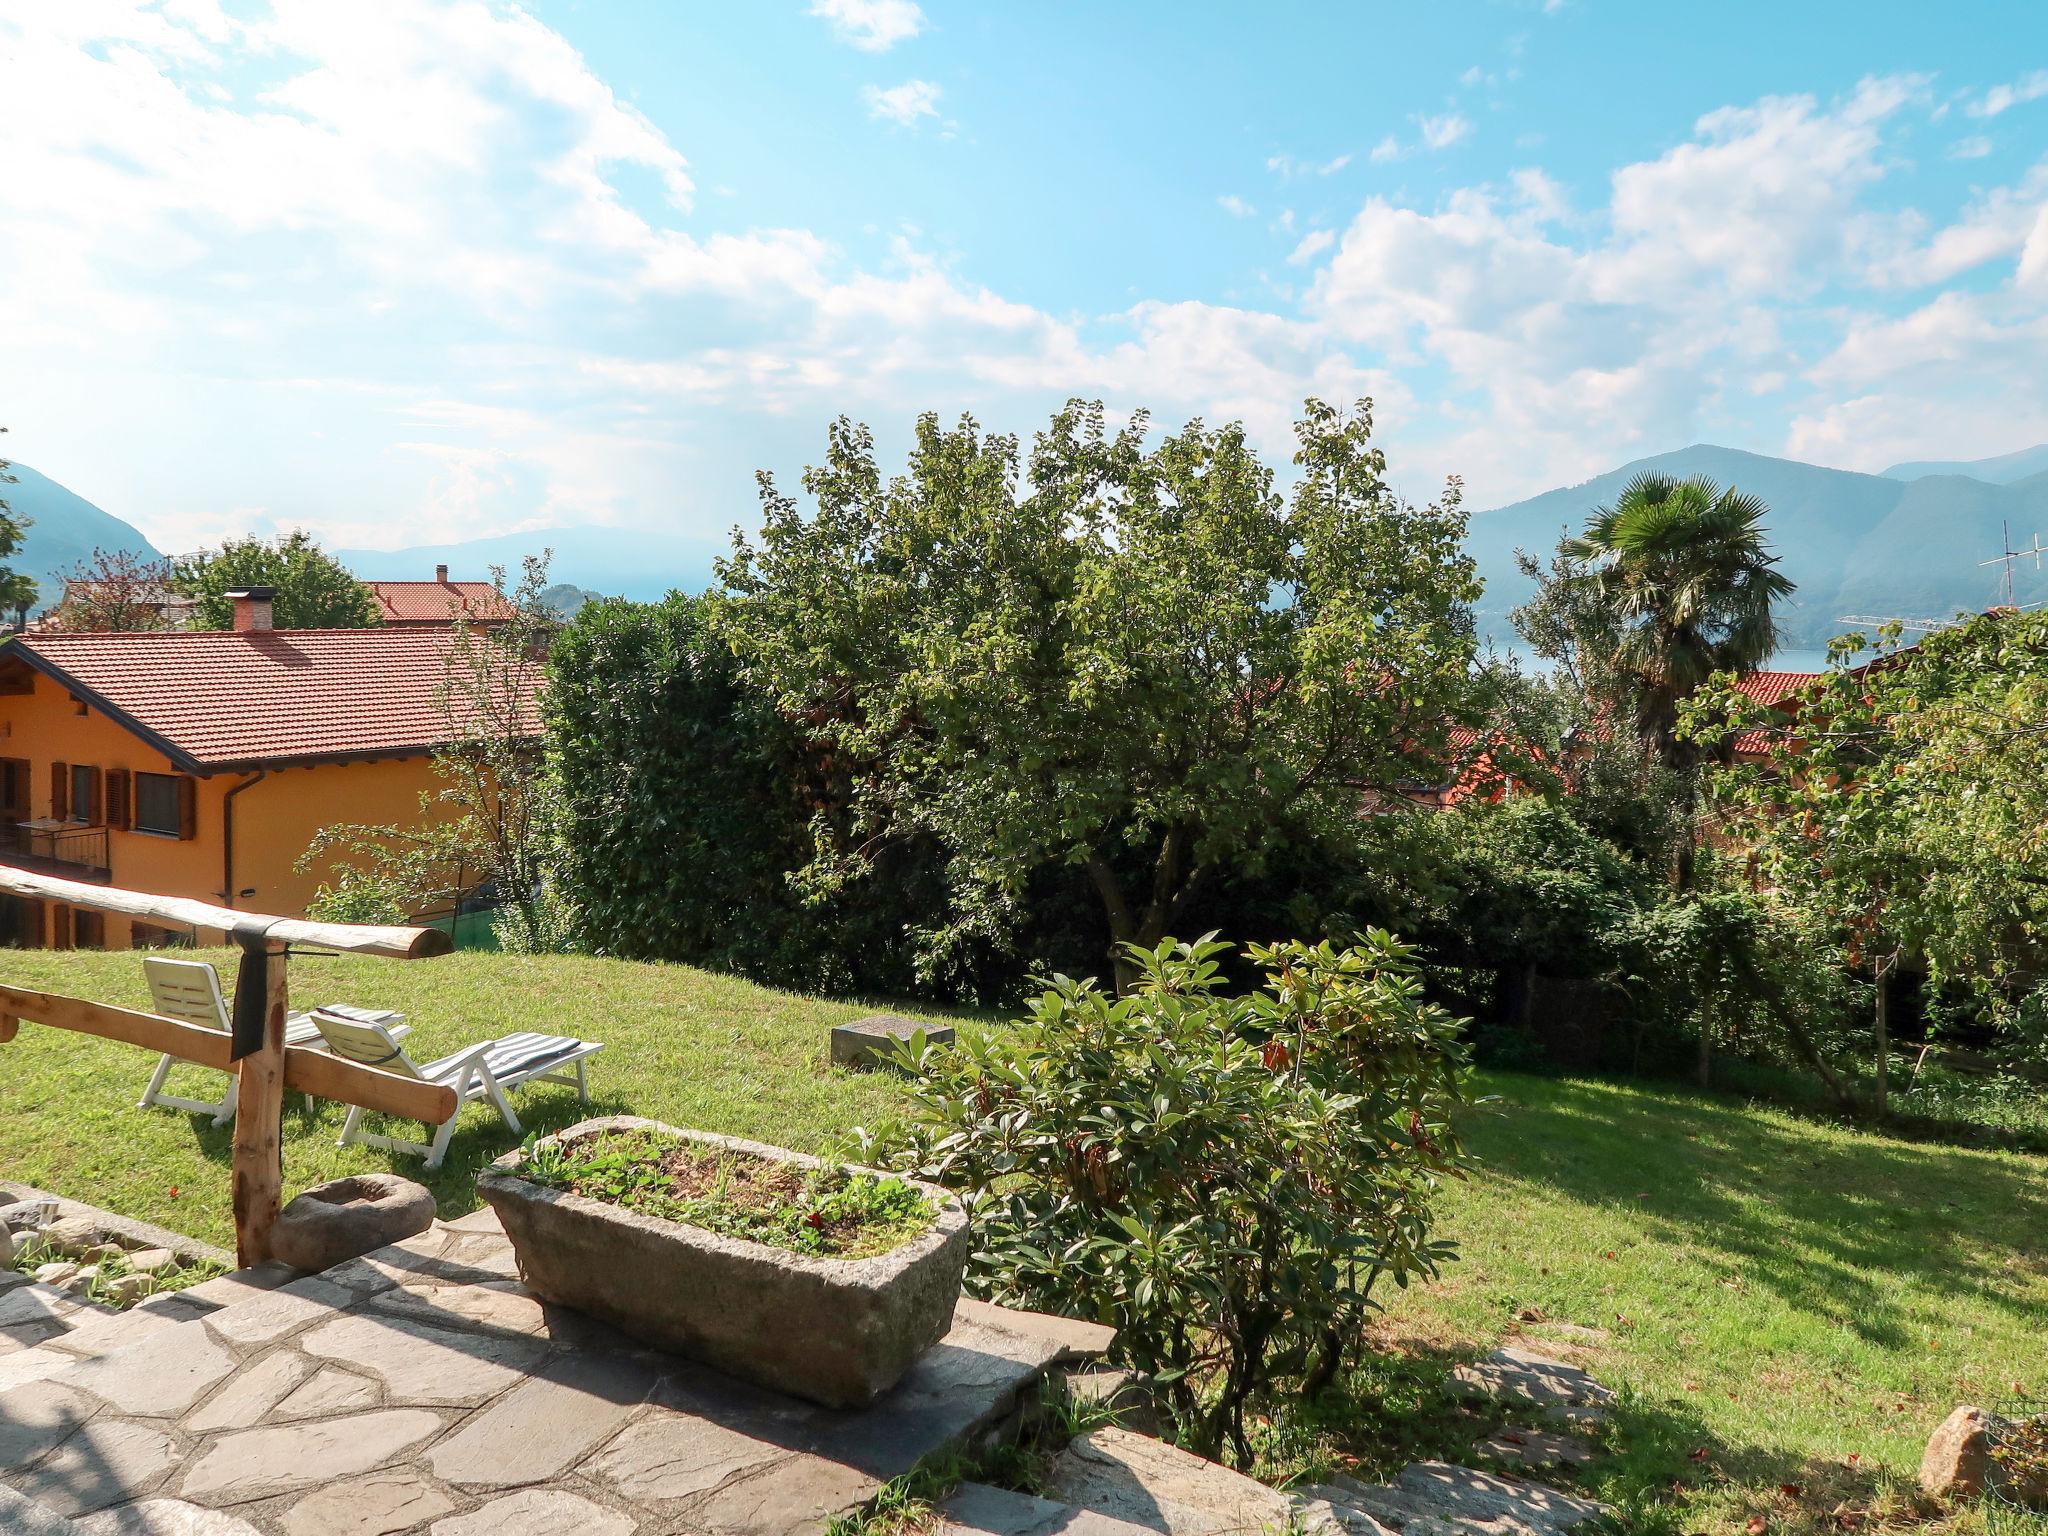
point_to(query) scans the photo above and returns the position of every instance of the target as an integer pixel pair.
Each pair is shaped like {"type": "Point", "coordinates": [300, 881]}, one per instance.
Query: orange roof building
{"type": "Point", "coordinates": [202, 763]}
{"type": "Point", "coordinates": [439, 602]}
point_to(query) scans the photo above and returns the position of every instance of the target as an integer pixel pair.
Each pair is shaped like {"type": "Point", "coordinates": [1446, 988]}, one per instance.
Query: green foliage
{"type": "Point", "coordinates": [362, 896]}
{"type": "Point", "coordinates": [830, 1211]}
{"type": "Point", "coordinates": [1685, 588]}
{"type": "Point", "coordinates": [1137, 670]}
{"type": "Point", "coordinates": [686, 803]}
{"type": "Point", "coordinates": [1225, 1179]}
{"type": "Point", "coordinates": [314, 590]}
{"type": "Point", "coordinates": [1904, 818]}
{"type": "Point", "coordinates": [17, 588]}
{"type": "Point", "coordinates": [491, 824]}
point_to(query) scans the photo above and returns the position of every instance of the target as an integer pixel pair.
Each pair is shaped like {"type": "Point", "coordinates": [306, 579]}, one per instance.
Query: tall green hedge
{"type": "Point", "coordinates": [686, 801]}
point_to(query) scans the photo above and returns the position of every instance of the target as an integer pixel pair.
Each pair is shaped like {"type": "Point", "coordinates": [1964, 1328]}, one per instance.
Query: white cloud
{"type": "Point", "coordinates": [2002, 98]}
{"type": "Point", "coordinates": [903, 104]}
{"type": "Point", "coordinates": [874, 26]}
{"type": "Point", "coordinates": [1313, 244]}
{"type": "Point", "coordinates": [1287, 167]}
{"type": "Point", "coordinates": [1443, 131]}
{"type": "Point", "coordinates": [1975, 147]}
{"type": "Point", "coordinates": [1388, 149]}
{"type": "Point", "coordinates": [1235, 206]}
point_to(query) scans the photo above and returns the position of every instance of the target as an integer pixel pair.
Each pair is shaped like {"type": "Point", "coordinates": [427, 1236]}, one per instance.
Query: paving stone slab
{"type": "Point", "coordinates": [419, 1364]}
{"type": "Point", "coordinates": [331, 1390]}
{"type": "Point", "coordinates": [1073, 1340]}
{"type": "Point", "coordinates": [276, 1313]}
{"type": "Point", "coordinates": [38, 1303]}
{"type": "Point", "coordinates": [162, 1376]}
{"type": "Point", "coordinates": [1148, 1483]}
{"type": "Point", "coordinates": [164, 1517]}
{"type": "Point", "coordinates": [503, 1305]}
{"type": "Point", "coordinates": [538, 1512]}
{"type": "Point", "coordinates": [103, 1335]}
{"type": "Point", "coordinates": [253, 1392]}
{"type": "Point", "coordinates": [378, 1505]}
{"type": "Point", "coordinates": [36, 1419]}
{"type": "Point", "coordinates": [976, 1509]}
{"type": "Point", "coordinates": [672, 1457]}
{"type": "Point", "coordinates": [18, 1517]}
{"type": "Point", "coordinates": [240, 1284]}
{"type": "Point", "coordinates": [38, 1364]}
{"type": "Point", "coordinates": [1513, 1374]}
{"type": "Point", "coordinates": [257, 1462]}
{"type": "Point", "coordinates": [109, 1461]}
{"type": "Point", "coordinates": [548, 1423]}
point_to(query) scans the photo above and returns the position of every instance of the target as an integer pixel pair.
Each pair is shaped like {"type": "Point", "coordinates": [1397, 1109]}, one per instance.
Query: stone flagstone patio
{"type": "Point", "coordinates": [422, 1389]}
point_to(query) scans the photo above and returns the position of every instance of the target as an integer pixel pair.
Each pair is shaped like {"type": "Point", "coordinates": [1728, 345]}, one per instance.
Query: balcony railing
{"type": "Point", "coordinates": [72, 851]}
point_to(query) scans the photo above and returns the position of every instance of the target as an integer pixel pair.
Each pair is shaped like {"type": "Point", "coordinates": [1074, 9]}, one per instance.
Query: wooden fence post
{"type": "Point", "coordinates": [258, 1165]}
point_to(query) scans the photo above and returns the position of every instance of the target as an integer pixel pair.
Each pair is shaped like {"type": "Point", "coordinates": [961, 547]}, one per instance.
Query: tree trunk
{"type": "Point", "coordinates": [1705, 1070]}
{"type": "Point", "coordinates": [1880, 1093]}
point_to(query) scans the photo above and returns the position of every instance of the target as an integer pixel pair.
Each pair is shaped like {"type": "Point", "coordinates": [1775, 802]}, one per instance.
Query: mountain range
{"type": "Point", "coordinates": [1908, 543]}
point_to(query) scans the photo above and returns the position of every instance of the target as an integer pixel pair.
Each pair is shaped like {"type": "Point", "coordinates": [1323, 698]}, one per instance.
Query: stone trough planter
{"type": "Point", "coordinates": [835, 1331]}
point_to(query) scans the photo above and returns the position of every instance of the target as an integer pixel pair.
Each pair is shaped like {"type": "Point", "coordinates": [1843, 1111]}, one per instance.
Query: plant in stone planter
{"type": "Point", "coordinates": [1225, 1179]}
{"type": "Point", "coordinates": [796, 1273]}
{"type": "Point", "coordinates": [828, 1210]}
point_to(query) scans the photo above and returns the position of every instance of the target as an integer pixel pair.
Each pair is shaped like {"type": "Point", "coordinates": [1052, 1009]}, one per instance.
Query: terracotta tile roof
{"type": "Point", "coordinates": [214, 699]}
{"type": "Point", "coordinates": [438, 602]}
{"type": "Point", "coordinates": [1779, 690]}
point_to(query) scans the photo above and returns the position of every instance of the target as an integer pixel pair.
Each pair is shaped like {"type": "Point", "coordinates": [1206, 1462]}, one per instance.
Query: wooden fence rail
{"type": "Point", "coordinates": [267, 1068]}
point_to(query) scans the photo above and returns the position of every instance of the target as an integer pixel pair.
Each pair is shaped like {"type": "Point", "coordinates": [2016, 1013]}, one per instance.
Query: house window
{"type": "Point", "coordinates": [85, 793]}
{"type": "Point", "coordinates": [13, 788]}
{"type": "Point", "coordinates": [157, 803]}
{"type": "Point", "coordinates": [88, 929]}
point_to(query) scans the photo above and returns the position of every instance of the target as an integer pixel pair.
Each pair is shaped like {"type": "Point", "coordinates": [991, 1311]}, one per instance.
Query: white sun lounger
{"type": "Point", "coordinates": [189, 991]}
{"type": "Point", "coordinates": [482, 1071]}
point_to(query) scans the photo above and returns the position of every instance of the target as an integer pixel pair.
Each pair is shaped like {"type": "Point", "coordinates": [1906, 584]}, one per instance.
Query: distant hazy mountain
{"type": "Point", "coordinates": [68, 528]}
{"type": "Point", "coordinates": [2003, 470]}
{"type": "Point", "coordinates": [618, 562]}
{"type": "Point", "coordinates": [1855, 544]}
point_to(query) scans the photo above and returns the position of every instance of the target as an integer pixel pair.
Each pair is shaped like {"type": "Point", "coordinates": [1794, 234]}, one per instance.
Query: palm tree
{"type": "Point", "coordinates": [1684, 574]}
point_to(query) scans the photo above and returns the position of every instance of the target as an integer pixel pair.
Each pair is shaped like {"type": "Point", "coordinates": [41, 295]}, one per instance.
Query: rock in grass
{"type": "Point", "coordinates": [152, 1261]}
{"type": "Point", "coordinates": [55, 1273]}
{"type": "Point", "coordinates": [73, 1235]}
{"type": "Point", "coordinates": [1957, 1462]}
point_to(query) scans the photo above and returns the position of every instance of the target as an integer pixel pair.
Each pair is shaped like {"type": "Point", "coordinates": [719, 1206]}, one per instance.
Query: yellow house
{"type": "Point", "coordinates": [202, 763]}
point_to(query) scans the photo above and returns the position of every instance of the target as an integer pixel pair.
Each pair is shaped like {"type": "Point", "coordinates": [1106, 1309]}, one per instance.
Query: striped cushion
{"type": "Point", "coordinates": [519, 1052]}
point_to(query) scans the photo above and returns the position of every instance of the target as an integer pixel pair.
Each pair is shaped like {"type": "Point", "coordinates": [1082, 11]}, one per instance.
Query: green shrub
{"type": "Point", "coordinates": [686, 804]}
{"type": "Point", "coordinates": [1225, 1179]}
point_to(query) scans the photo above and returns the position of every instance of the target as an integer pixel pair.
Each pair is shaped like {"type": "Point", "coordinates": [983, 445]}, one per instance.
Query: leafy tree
{"type": "Point", "coordinates": [1139, 669]}
{"type": "Point", "coordinates": [686, 802]}
{"type": "Point", "coordinates": [1681, 586]}
{"type": "Point", "coordinates": [314, 590]}
{"type": "Point", "coordinates": [1226, 1180]}
{"type": "Point", "coordinates": [492, 820]}
{"type": "Point", "coordinates": [17, 588]}
{"type": "Point", "coordinates": [1903, 818]}
{"type": "Point", "coordinates": [116, 590]}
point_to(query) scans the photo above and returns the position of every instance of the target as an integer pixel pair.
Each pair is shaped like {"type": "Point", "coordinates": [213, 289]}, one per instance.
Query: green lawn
{"type": "Point", "coordinates": [1799, 1302]}
{"type": "Point", "coordinates": [681, 1045]}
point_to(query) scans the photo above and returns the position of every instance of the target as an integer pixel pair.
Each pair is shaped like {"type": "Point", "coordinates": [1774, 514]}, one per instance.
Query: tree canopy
{"type": "Point", "coordinates": [1140, 666]}
{"type": "Point", "coordinates": [314, 590]}
{"type": "Point", "coordinates": [17, 588]}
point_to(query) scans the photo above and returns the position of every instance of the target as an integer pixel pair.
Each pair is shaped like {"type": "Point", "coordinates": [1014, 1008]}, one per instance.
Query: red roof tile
{"type": "Point", "coordinates": [1779, 690]}
{"type": "Point", "coordinates": [438, 602]}
{"type": "Point", "coordinates": [218, 699]}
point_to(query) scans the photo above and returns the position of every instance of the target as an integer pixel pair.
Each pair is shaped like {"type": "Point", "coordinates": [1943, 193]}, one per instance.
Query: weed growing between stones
{"type": "Point", "coordinates": [831, 1212]}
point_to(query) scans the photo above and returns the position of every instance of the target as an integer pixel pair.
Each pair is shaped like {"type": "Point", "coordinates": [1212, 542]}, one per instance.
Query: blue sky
{"type": "Point", "coordinates": [408, 272]}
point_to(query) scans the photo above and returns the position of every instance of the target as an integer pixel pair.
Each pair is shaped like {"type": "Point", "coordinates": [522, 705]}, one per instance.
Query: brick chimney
{"type": "Point", "coordinates": [441, 574]}
{"type": "Point", "coordinates": [253, 608]}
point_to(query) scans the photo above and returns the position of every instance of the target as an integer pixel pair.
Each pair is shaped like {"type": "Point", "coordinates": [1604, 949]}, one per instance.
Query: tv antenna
{"type": "Point", "coordinates": [2037, 550]}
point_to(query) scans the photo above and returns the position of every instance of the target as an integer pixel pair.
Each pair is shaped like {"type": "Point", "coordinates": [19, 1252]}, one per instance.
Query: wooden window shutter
{"type": "Point", "coordinates": [60, 791]}
{"type": "Point", "coordinates": [60, 926]}
{"type": "Point", "coordinates": [188, 808]}
{"type": "Point", "coordinates": [119, 807]}
{"type": "Point", "coordinates": [95, 796]}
